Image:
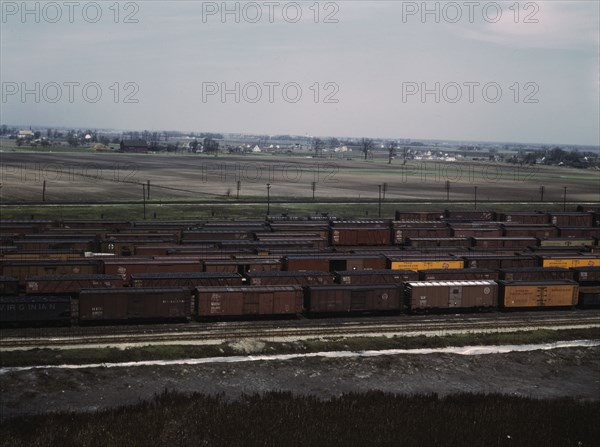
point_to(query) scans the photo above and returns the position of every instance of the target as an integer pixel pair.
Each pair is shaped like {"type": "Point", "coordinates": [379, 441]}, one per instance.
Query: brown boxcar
{"type": "Point", "coordinates": [248, 301]}
{"type": "Point", "coordinates": [536, 274]}
{"type": "Point", "coordinates": [346, 298]}
{"type": "Point", "coordinates": [189, 279]}
{"type": "Point", "coordinates": [519, 294]}
{"type": "Point", "coordinates": [25, 310]}
{"type": "Point", "coordinates": [70, 284]}
{"type": "Point", "coordinates": [134, 304]}
{"type": "Point", "coordinates": [400, 235]}
{"type": "Point", "coordinates": [470, 215]}
{"type": "Point", "coordinates": [9, 285]}
{"type": "Point", "coordinates": [537, 231]}
{"type": "Point", "coordinates": [333, 262]}
{"type": "Point", "coordinates": [583, 232]}
{"type": "Point", "coordinates": [476, 231]}
{"type": "Point", "coordinates": [589, 296]}
{"type": "Point", "coordinates": [438, 242]}
{"type": "Point", "coordinates": [451, 294]}
{"type": "Point", "coordinates": [127, 266]}
{"type": "Point", "coordinates": [572, 219]}
{"type": "Point", "coordinates": [496, 262]}
{"type": "Point", "coordinates": [374, 276]}
{"type": "Point", "coordinates": [22, 269]}
{"type": "Point", "coordinates": [523, 217]}
{"type": "Point", "coordinates": [360, 233]}
{"type": "Point", "coordinates": [419, 215]}
{"type": "Point", "coordinates": [242, 265]}
{"type": "Point", "coordinates": [587, 275]}
{"type": "Point", "coordinates": [458, 275]}
{"type": "Point", "coordinates": [504, 242]}
{"type": "Point", "coordinates": [301, 278]}
{"type": "Point", "coordinates": [565, 242]}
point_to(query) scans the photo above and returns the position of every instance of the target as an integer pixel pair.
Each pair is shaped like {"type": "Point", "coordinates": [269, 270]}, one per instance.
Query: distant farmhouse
{"type": "Point", "coordinates": [139, 146]}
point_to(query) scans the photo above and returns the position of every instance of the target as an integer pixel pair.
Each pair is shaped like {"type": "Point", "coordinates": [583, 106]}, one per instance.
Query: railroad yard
{"type": "Point", "coordinates": [101, 312]}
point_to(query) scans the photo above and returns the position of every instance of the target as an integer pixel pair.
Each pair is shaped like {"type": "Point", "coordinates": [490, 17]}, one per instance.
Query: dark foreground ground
{"type": "Point", "coordinates": [569, 372]}
{"type": "Point", "coordinates": [469, 400]}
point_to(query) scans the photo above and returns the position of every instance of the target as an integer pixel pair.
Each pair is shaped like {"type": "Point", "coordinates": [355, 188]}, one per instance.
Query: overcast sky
{"type": "Point", "coordinates": [492, 71]}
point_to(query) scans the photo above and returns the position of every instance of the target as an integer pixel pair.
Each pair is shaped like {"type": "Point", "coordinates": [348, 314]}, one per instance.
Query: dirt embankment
{"type": "Point", "coordinates": [572, 372]}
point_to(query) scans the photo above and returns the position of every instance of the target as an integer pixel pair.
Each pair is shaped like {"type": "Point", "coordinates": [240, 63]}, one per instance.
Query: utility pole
{"type": "Point", "coordinates": [148, 189]}
{"type": "Point", "coordinates": [379, 200]}
{"type": "Point", "coordinates": [239, 186]}
{"type": "Point", "coordinates": [475, 197]}
{"type": "Point", "coordinates": [144, 199]}
{"type": "Point", "coordinates": [565, 198]}
{"type": "Point", "coordinates": [385, 186]}
{"type": "Point", "coordinates": [541, 193]}
{"type": "Point", "coordinates": [268, 199]}
{"type": "Point", "coordinates": [447, 190]}
{"type": "Point", "coordinates": [314, 188]}
{"type": "Point", "coordinates": [44, 192]}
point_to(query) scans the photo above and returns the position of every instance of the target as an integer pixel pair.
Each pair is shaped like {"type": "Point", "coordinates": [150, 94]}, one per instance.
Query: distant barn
{"type": "Point", "coordinates": [140, 146]}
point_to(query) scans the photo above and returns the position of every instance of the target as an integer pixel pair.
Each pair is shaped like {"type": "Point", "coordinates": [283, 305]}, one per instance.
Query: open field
{"type": "Point", "coordinates": [211, 184]}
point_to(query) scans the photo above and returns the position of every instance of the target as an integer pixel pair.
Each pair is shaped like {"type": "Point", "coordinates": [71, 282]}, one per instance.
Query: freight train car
{"type": "Point", "coordinates": [458, 275]}
{"type": "Point", "coordinates": [589, 296]}
{"type": "Point", "coordinates": [589, 276]}
{"type": "Point", "coordinates": [337, 299]}
{"type": "Point", "coordinates": [70, 284]}
{"type": "Point", "coordinates": [9, 285]}
{"type": "Point", "coordinates": [23, 269]}
{"type": "Point", "coordinates": [43, 309]}
{"type": "Point", "coordinates": [186, 279]}
{"type": "Point", "coordinates": [536, 274]}
{"type": "Point", "coordinates": [451, 294]}
{"type": "Point", "coordinates": [570, 261]}
{"type": "Point", "coordinates": [248, 301]}
{"type": "Point", "coordinates": [374, 276]}
{"type": "Point", "coordinates": [131, 304]}
{"type": "Point", "coordinates": [522, 294]}
{"type": "Point", "coordinates": [417, 264]}
{"type": "Point", "coordinates": [125, 267]}
{"type": "Point", "coordinates": [360, 233]}
{"type": "Point", "coordinates": [301, 278]}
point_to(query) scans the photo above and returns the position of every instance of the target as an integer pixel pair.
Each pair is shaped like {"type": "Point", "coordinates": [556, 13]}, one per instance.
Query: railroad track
{"type": "Point", "coordinates": [214, 333]}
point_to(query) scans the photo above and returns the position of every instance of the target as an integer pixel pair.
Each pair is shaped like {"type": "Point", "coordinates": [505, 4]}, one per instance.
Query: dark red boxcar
{"type": "Point", "coordinates": [300, 278]}
{"type": "Point", "coordinates": [470, 274]}
{"type": "Point", "coordinates": [134, 304]}
{"type": "Point", "coordinates": [374, 276]}
{"type": "Point", "coordinates": [127, 266]}
{"type": "Point", "coordinates": [536, 274]}
{"type": "Point", "coordinates": [248, 301]}
{"type": "Point", "coordinates": [70, 284]}
{"type": "Point", "coordinates": [346, 298]}
{"type": "Point", "coordinates": [189, 279]}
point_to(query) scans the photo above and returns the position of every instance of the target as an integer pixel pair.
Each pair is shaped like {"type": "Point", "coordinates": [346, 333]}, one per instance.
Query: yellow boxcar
{"type": "Point", "coordinates": [518, 294]}
{"type": "Point", "coordinates": [583, 261]}
{"type": "Point", "coordinates": [427, 264]}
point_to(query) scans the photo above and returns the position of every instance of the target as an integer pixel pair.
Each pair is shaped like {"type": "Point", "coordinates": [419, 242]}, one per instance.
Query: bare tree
{"type": "Point", "coordinates": [392, 146]}
{"type": "Point", "coordinates": [366, 145]}
{"type": "Point", "coordinates": [317, 146]}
